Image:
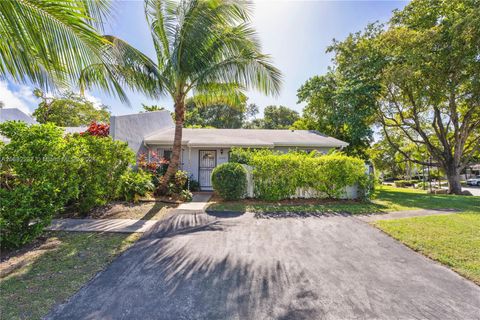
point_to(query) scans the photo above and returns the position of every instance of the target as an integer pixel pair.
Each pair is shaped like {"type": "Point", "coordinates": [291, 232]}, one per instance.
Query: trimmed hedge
{"type": "Point", "coordinates": [278, 176]}
{"type": "Point", "coordinates": [229, 180]}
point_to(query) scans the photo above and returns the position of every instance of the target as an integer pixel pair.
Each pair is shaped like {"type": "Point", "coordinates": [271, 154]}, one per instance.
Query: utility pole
{"type": "Point", "coordinates": [428, 170]}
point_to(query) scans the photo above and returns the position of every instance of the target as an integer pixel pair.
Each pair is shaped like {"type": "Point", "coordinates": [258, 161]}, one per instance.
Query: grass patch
{"type": "Point", "coordinates": [397, 199]}
{"type": "Point", "coordinates": [453, 240]}
{"type": "Point", "coordinates": [35, 280]}
{"type": "Point", "coordinates": [387, 199]}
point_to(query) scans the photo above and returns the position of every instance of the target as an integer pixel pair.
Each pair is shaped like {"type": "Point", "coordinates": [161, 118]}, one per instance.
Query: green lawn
{"type": "Point", "coordinates": [386, 199]}
{"type": "Point", "coordinates": [453, 240]}
{"type": "Point", "coordinates": [54, 270]}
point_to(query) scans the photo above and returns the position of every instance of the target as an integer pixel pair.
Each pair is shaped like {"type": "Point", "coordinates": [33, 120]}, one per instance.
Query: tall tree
{"type": "Point", "coordinates": [279, 117]}
{"type": "Point", "coordinates": [50, 42]}
{"type": "Point", "coordinates": [206, 49]}
{"type": "Point", "coordinates": [421, 77]}
{"type": "Point", "coordinates": [342, 103]}
{"type": "Point", "coordinates": [69, 110]}
{"type": "Point", "coordinates": [218, 115]}
{"type": "Point", "coordinates": [274, 117]}
{"type": "Point", "coordinates": [431, 82]}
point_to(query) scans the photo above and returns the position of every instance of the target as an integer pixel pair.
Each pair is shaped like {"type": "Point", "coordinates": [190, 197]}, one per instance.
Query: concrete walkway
{"type": "Point", "coordinates": [405, 214]}
{"type": "Point", "coordinates": [101, 225]}
{"type": "Point", "coordinates": [198, 203]}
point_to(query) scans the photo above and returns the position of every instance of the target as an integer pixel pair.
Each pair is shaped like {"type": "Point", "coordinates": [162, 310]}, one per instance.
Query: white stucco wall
{"type": "Point", "coordinates": [189, 159]}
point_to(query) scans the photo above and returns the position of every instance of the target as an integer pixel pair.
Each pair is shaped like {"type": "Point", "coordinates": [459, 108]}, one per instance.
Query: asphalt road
{"type": "Point", "coordinates": [474, 190]}
{"type": "Point", "coordinates": [196, 266]}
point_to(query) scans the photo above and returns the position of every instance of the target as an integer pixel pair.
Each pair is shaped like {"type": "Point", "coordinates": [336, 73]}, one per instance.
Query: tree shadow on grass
{"type": "Point", "coordinates": [328, 208]}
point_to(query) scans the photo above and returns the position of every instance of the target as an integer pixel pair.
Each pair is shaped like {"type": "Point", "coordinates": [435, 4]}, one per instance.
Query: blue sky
{"type": "Point", "coordinates": [295, 33]}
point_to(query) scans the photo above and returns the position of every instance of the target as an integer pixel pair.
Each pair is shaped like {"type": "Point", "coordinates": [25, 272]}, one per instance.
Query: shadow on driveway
{"type": "Point", "coordinates": [198, 266]}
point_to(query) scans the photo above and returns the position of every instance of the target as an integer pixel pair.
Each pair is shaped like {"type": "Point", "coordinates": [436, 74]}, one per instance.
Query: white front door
{"type": "Point", "coordinates": [207, 161]}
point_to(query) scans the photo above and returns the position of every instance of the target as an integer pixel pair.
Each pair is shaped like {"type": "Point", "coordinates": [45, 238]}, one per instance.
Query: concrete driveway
{"type": "Point", "coordinates": [197, 266]}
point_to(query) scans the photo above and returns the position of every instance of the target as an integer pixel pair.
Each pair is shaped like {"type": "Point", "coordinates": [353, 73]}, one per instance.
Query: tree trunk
{"type": "Point", "coordinates": [177, 146]}
{"type": "Point", "coordinates": [453, 176]}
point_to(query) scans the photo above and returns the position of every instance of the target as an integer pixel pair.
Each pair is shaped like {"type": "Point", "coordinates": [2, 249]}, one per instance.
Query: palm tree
{"type": "Point", "coordinates": [50, 42]}
{"type": "Point", "coordinates": [205, 49]}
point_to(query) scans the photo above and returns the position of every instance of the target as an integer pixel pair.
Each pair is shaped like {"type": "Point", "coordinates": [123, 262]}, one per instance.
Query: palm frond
{"type": "Point", "coordinates": [123, 66]}
{"type": "Point", "coordinates": [49, 42]}
{"type": "Point", "coordinates": [98, 11]}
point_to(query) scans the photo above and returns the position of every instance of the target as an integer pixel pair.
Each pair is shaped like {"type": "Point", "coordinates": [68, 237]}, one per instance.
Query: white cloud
{"type": "Point", "coordinates": [21, 98]}
{"type": "Point", "coordinates": [97, 103]}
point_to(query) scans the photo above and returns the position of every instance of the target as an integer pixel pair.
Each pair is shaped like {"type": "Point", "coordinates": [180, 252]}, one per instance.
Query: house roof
{"type": "Point", "coordinates": [244, 138]}
{"type": "Point", "coordinates": [11, 114]}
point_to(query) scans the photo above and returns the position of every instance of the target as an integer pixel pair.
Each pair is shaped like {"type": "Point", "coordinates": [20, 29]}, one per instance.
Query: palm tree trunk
{"type": "Point", "coordinates": [177, 146]}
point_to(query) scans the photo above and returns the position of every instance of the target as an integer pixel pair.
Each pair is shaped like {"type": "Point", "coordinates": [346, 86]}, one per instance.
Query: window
{"type": "Point", "coordinates": [167, 154]}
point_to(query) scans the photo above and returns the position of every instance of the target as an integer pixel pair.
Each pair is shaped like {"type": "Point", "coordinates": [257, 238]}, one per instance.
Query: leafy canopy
{"type": "Point", "coordinates": [69, 110]}
{"type": "Point", "coordinates": [342, 103]}
{"type": "Point", "coordinates": [218, 115]}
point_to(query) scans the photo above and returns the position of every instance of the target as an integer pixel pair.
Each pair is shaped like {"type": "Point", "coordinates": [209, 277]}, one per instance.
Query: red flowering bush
{"type": "Point", "coordinates": [155, 164]}
{"type": "Point", "coordinates": [98, 129]}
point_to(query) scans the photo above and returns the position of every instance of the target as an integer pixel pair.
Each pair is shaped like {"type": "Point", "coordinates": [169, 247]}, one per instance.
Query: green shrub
{"type": "Point", "coordinates": [278, 176]}
{"type": "Point", "coordinates": [179, 183]}
{"type": "Point", "coordinates": [229, 180]}
{"type": "Point", "coordinates": [244, 155]}
{"type": "Point", "coordinates": [100, 162]}
{"type": "Point", "coordinates": [186, 195]}
{"type": "Point", "coordinates": [333, 173]}
{"type": "Point", "coordinates": [193, 185]}
{"type": "Point", "coordinates": [405, 183]}
{"type": "Point", "coordinates": [36, 180]}
{"type": "Point", "coordinates": [134, 184]}
{"type": "Point", "coordinates": [41, 172]}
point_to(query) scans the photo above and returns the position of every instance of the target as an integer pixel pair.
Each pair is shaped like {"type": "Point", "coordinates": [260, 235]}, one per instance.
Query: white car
{"type": "Point", "coordinates": [474, 181]}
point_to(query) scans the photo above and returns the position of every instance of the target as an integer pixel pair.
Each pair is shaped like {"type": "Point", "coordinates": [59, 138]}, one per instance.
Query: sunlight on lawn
{"type": "Point", "coordinates": [407, 199]}
{"type": "Point", "coordinates": [453, 240]}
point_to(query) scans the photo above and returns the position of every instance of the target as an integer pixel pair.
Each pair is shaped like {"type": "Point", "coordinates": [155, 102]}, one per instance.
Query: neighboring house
{"type": "Point", "coordinates": [14, 114]}
{"type": "Point", "coordinates": [204, 149]}
{"type": "Point", "coordinates": [11, 114]}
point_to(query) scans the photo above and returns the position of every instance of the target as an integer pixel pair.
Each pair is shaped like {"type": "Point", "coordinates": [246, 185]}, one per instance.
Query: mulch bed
{"type": "Point", "coordinates": [287, 202]}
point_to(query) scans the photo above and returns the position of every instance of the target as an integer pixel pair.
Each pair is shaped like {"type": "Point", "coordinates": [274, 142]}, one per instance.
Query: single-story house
{"type": "Point", "coordinates": [204, 149]}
